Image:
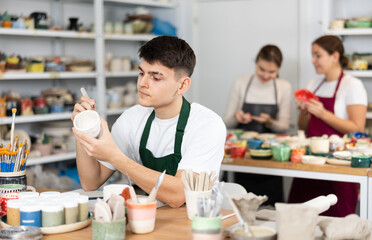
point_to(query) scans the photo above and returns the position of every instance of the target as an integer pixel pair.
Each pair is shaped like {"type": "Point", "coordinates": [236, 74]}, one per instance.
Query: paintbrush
{"type": "Point", "coordinates": [14, 110]}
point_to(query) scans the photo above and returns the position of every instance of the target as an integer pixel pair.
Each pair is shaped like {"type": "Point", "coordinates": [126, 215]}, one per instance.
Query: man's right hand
{"type": "Point", "coordinates": [242, 117]}
{"type": "Point", "coordinates": [86, 104]}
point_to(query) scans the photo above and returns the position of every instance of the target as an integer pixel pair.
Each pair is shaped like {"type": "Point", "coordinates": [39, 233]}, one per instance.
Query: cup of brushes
{"type": "Point", "coordinates": [13, 158]}
{"type": "Point", "coordinates": [142, 210]}
{"type": "Point", "coordinates": [196, 186]}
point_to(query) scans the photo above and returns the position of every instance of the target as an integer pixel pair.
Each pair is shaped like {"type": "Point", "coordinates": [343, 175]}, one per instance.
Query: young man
{"type": "Point", "coordinates": [163, 132]}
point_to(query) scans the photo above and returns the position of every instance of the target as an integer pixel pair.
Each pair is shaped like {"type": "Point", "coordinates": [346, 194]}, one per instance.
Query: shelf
{"type": "Point", "coordinates": [350, 31]}
{"type": "Point", "coordinates": [37, 118]}
{"type": "Point", "coordinates": [116, 111]}
{"type": "Point", "coordinates": [122, 74]}
{"type": "Point", "coordinates": [146, 3]}
{"type": "Point", "coordinates": [129, 37]}
{"type": "Point", "coordinates": [51, 158]}
{"type": "Point", "coordinates": [45, 33]}
{"type": "Point", "coordinates": [359, 73]}
{"type": "Point", "coordinates": [47, 75]}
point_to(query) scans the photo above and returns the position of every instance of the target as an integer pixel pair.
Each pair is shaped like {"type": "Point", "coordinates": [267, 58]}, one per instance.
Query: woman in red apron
{"type": "Point", "coordinates": [323, 117]}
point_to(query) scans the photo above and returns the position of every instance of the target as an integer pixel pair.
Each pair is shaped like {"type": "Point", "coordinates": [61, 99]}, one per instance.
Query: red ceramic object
{"type": "Point", "coordinates": [296, 154]}
{"type": "Point", "coordinates": [237, 152]}
{"type": "Point", "coordinates": [304, 95]}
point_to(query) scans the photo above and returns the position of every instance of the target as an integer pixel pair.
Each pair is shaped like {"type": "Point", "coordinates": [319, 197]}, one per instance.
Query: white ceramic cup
{"type": "Point", "coordinates": [88, 122]}
{"type": "Point", "coordinates": [192, 201]}
{"type": "Point", "coordinates": [319, 145]}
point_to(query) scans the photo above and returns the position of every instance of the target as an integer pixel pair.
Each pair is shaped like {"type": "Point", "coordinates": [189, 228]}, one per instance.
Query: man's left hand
{"type": "Point", "coordinates": [103, 148]}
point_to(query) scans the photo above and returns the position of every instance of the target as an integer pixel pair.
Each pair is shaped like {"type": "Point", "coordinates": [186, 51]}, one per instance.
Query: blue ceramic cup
{"type": "Point", "coordinates": [255, 143]}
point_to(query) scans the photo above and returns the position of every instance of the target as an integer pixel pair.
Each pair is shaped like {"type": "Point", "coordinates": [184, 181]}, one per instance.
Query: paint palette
{"type": "Point", "coordinates": [304, 95]}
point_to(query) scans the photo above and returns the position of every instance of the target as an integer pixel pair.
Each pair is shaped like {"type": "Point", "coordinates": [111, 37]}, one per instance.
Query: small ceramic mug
{"type": "Point", "coordinates": [206, 228]}
{"type": "Point", "coordinates": [192, 201]}
{"type": "Point", "coordinates": [88, 122]}
{"type": "Point", "coordinates": [141, 215]}
{"type": "Point", "coordinates": [11, 191]}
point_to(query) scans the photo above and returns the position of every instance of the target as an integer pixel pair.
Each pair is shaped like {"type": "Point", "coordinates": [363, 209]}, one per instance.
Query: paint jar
{"type": "Point", "coordinates": [28, 195]}
{"type": "Point", "coordinates": [30, 215]}
{"type": "Point", "coordinates": [83, 207]}
{"type": "Point", "coordinates": [192, 201]}
{"type": "Point", "coordinates": [71, 211]}
{"type": "Point", "coordinates": [10, 191]}
{"type": "Point", "coordinates": [49, 194]}
{"type": "Point", "coordinates": [88, 122]}
{"type": "Point", "coordinates": [52, 215]}
{"type": "Point", "coordinates": [70, 194]}
{"type": "Point", "coordinates": [108, 230]}
{"type": "Point", "coordinates": [206, 228]}
{"type": "Point", "coordinates": [141, 215]}
{"type": "Point", "coordinates": [13, 215]}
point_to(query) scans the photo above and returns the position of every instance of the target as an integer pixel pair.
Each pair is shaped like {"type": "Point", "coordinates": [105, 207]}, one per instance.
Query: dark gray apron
{"type": "Point", "coordinates": [256, 109]}
{"type": "Point", "coordinates": [272, 186]}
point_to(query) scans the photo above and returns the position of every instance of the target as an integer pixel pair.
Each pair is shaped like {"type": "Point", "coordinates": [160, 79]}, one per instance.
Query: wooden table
{"type": "Point", "coordinates": [363, 176]}
{"type": "Point", "coordinates": [170, 224]}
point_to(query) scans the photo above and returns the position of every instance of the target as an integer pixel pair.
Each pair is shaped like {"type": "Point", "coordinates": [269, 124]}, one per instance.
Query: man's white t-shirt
{"type": "Point", "coordinates": [202, 145]}
{"type": "Point", "coordinates": [350, 92]}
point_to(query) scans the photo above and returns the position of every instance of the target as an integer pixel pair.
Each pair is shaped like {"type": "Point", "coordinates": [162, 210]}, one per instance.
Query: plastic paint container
{"type": "Point", "coordinates": [83, 202]}
{"type": "Point", "coordinates": [49, 194]}
{"type": "Point", "coordinates": [52, 214]}
{"type": "Point", "coordinates": [13, 215]}
{"type": "Point", "coordinates": [70, 194]}
{"type": "Point", "coordinates": [71, 211]}
{"type": "Point", "coordinates": [30, 215]}
{"type": "Point", "coordinates": [27, 195]}
{"type": "Point", "coordinates": [206, 228]}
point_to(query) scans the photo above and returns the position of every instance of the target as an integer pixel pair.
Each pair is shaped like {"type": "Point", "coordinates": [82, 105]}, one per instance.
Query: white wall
{"type": "Point", "coordinates": [230, 34]}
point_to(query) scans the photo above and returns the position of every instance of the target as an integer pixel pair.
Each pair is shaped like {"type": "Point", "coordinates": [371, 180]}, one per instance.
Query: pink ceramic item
{"type": "Point", "coordinates": [141, 216]}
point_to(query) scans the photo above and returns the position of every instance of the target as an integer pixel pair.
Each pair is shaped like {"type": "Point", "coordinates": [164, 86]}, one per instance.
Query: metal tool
{"type": "Point", "coordinates": [154, 191]}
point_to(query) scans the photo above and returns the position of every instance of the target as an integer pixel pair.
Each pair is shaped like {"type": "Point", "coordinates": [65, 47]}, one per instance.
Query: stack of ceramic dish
{"type": "Point", "coordinates": [257, 151]}
{"type": "Point", "coordinates": [340, 158]}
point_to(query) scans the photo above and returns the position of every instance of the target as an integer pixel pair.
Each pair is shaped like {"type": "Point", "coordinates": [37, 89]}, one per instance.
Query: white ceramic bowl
{"type": "Point", "coordinates": [88, 122]}
{"type": "Point", "coordinates": [319, 145]}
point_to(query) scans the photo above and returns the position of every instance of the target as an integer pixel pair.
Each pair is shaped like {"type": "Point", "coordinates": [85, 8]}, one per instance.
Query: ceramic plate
{"type": "Point", "coordinates": [57, 229]}
{"type": "Point", "coordinates": [308, 159]}
{"type": "Point", "coordinates": [335, 161]}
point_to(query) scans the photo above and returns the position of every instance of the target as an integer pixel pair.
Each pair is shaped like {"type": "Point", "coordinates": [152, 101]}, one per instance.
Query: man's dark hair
{"type": "Point", "coordinates": [171, 52]}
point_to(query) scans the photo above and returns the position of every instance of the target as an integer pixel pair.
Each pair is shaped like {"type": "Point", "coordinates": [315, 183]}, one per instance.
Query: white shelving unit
{"type": "Point", "coordinates": [37, 118]}
{"type": "Point", "coordinates": [347, 32]}
{"type": "Point", "coordinates": [51, 158]}
{"type": "Point", "coordinates": [47, 75]}
{"type": "Point", "coordinates": [99, 75]}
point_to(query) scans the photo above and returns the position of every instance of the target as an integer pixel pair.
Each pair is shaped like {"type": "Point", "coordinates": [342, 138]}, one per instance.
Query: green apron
{"type": "Point", "coordinates": [169, 162]}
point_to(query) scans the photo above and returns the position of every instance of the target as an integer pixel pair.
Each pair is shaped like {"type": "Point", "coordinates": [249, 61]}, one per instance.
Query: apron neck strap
{"type": "Point", "coordinates": [249, 84]}
{"type": "Point", "coordinates": [181, 125]}
{"type": "Point", "coordinates": [338, 84]}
